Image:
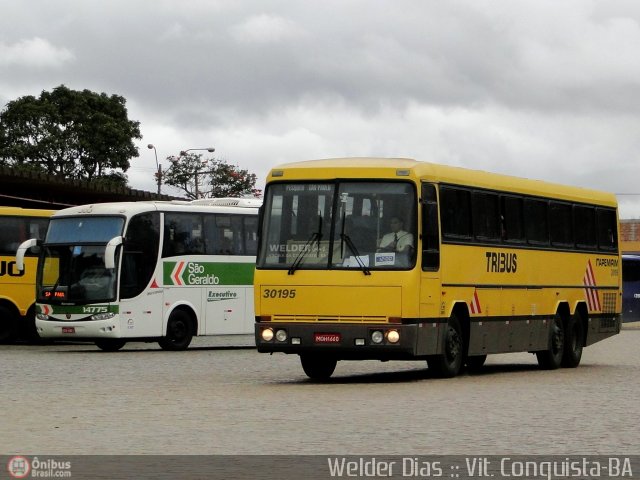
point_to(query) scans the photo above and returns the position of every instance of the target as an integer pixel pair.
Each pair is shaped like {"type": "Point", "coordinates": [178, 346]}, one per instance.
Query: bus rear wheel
{"type": "Point", "coordinates": [449, 363]}
{"type": "Point", "coordinates": [475, 363]}
{"type": "Point", "coordinates": [318, 368]}
{"type": "Point", "coordinates": [552, 358]}
{"type": "Point", "coordinates": [573, 342]}
{"type": "Point", "coordinates": [110, 344]}
{"type": "Point", "coordinates": [179, 332]}
{"type": "Point", "coordinates": [8, 325]}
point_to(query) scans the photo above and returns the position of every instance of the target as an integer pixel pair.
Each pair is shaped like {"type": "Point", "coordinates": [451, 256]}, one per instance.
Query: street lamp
{"type": "Point", "coordinates": [184, 152]}
{"type": "Point", "coordinates": [208, 149]}
{"type": "Point", "coordinates": [159, 168]}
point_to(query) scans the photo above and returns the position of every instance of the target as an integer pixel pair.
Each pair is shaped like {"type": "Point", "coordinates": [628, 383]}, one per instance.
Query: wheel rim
{"type": "Point", "coordinates": [178, 331]}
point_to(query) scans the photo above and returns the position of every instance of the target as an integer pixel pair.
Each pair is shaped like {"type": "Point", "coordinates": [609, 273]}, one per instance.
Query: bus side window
{"type": "Point", "coordinates": [11, 235]}
{"type": "Point", "coordinates": [183, 234]}
{"type": "Point", "coordinates": [224, 234]}
{"type": "Point", "coordinates": [430, 228]}
{"type": "Point", "coordinates": [607, 229]}
{"type": "Point", "coordinates": [251, 235]}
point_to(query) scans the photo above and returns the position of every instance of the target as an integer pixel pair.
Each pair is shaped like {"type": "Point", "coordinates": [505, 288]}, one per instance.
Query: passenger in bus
{"type": "Point", "coordinates": [398, 240]}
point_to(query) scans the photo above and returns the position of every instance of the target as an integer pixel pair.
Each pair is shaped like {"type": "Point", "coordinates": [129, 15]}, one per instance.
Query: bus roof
{"type": "Point", "coordinates": [24, 212]}
{"type": "Point", "coordinates": [374, 168]}
{"type": "Point", "coordinates": [134, 208]}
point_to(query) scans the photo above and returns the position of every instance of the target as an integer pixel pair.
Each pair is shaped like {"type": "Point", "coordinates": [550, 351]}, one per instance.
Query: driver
{"type": "Point", "coordinates": [398, 240]}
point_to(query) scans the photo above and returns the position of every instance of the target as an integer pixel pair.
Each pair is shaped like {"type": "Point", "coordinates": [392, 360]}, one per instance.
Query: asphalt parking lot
{"type": "Point", "coordinates": [71, 399]}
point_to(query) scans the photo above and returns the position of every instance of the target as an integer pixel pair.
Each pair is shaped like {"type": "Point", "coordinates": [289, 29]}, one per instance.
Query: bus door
{"type": "Point", "coordinates": [430, 283]}
{"type": "Point", "coordinates": [141, 294]}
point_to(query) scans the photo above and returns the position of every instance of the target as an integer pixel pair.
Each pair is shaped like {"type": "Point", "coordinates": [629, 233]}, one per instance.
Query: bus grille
{"type": "Point", "coordinates": [328, 319]}
{"type": "Point", "coordinates": [609, 303]}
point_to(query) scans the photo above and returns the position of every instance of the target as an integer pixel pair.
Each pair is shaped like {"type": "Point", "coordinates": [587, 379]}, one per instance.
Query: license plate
{"type": "Point", "coordinates": [68, 329]}
{"type": "Point", "coordinates": [326, 337]}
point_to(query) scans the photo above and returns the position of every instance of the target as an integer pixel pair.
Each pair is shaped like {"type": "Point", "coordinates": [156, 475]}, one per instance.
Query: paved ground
{"type": "Point", "coordinates": [74, 399]}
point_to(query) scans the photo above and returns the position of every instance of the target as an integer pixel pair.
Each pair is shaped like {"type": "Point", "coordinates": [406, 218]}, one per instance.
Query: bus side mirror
{"type": "Point", "coordinates": [110, 252]}
{"type": "Point", "coordinates": [22, 251]}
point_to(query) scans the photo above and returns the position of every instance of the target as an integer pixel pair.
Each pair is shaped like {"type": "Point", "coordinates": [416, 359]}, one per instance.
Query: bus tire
{"type": "Point", "coordinates": [110, 344]}
{"type": "Point", "coordinates": [29, 331]}
{"type": "Point", "coordinates": [317, 367]}
{"type": "Point", "coordinates": [551, 358]}
{"type": "Point", "coordinates": [449, 363]}
{"type": "Point", "coordinates": [573, 342]}
{"type": "Point", "coordinates": [8, 325]}
{"type": "Point", "coordinates": [179, 332]}
{"type": "Point", "coordinates": [475, 363]}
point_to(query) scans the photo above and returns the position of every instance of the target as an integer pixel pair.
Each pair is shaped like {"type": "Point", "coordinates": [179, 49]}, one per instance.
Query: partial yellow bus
{"type": "Point", "coordinates": [17, 289]}
{"type": "Point", "coordinates": [369, 258]}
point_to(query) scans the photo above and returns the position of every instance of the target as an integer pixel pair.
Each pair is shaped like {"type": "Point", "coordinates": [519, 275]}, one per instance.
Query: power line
{"type": "Point", "coordinates": [37, 201]}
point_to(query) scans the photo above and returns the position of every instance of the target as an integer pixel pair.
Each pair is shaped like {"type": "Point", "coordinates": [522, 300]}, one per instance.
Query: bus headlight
{"type": "Point", "coordinates": [42, 316]}
{"type": "Point", "coordinates": [377, 336]}
{"type": "Point", "coordinates": [393, 336]}
{"type": "Point", "coordinates": [267, 334]}
{"type": "Point", "coordinates": [103, 316]}
{"type": "Point", "coordinates": [281, 335]}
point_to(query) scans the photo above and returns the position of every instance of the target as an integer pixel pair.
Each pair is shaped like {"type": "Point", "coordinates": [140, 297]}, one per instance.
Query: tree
{"type": "Point", "coordinates": [69, 133]}
{"type": "Point", "coordinates": [209, 178]}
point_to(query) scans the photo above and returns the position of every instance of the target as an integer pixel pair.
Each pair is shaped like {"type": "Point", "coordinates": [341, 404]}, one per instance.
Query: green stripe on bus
{"type": "Point", "coordinates": [185, 273]}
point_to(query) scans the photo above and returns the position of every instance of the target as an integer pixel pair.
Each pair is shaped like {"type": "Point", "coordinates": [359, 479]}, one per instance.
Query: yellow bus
{"type": "Point", "coordinates": [17, 288]}
{"type": "Point", "coordinates": [369, 258]}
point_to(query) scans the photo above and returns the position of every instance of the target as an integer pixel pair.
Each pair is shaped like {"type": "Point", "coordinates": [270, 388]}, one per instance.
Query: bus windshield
{"type": "Point", "coordinates": [84, 229]}
{"type": "Point", "coordinates": [72, 268]}
{"type": "Point", "coordinates": [366, 225]}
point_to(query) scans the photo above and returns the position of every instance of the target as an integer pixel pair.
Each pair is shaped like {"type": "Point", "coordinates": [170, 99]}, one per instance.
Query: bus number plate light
{"type": "Point", "coordinates": [326, 337]}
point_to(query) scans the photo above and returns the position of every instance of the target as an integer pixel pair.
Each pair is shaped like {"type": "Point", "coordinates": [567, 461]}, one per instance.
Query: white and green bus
{"type": "Point", "coordinates": [147, 271]}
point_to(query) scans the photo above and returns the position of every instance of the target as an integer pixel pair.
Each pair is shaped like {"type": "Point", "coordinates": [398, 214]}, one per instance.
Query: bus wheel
{"type": "Point", "coordinates": [29, 331]}
{"type": "Point", "coordinates": [110, 344]}
{"type": "Point", "coordinates": [573, 342]}
{"type": "Point", "coordinates": [552, 358]}
{"type": "Point", "coordinates": [318, 368]}
{"type": "Point", "coordinates": [179, 332]}
{"type": "Point", "coordinates": [8, 325]}
{"type": "Point", "coordinates": [449, 363]}
{"type": "Point", "coordinates": [475, 363]}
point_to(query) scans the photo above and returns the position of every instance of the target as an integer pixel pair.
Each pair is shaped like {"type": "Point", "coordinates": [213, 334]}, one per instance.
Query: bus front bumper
{"type": "Point", "coordinates": [88, 329]}
{"type": "Point", "coordinates": [348, 341]}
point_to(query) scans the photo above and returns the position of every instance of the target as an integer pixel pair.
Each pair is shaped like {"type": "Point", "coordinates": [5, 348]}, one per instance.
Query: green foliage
{"type": "Point", "coordinates": [112, 180]}
{"type": "Point", "coordinates": [209, 178]}
{"type": "Point", "coordinates": [69, 133]}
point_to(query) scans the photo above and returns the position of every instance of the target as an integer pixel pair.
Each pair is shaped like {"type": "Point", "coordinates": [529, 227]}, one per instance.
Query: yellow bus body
{"type": "Point", "coordinates": [505, 296]}
{"type": "Point", "coordinates": [17, 289]}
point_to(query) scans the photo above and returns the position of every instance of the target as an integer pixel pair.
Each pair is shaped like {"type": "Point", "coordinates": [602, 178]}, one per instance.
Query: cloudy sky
{"type": "Point", "coordinates": [544, 89]}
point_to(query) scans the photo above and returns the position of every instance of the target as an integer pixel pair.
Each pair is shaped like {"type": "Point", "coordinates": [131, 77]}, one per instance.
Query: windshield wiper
{"type": "Point", "coordinates": [347, 239]}
{"type": "Point", "coordinates": [315, 237]}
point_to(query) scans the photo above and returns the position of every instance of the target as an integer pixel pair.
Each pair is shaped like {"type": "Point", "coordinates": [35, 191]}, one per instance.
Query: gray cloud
{"type": "Point", "coordinates": [543, 89]}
